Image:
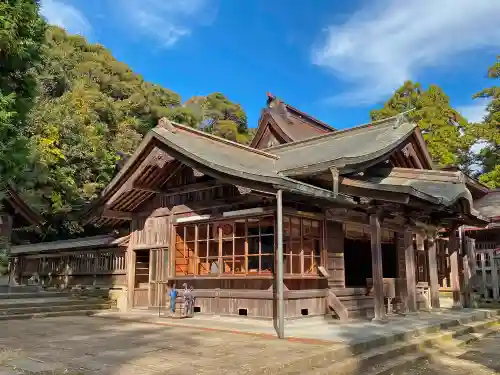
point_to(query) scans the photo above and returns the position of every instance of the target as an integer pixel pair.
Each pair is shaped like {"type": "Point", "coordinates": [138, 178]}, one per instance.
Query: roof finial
{"type": "Point", "coordinates": [166, 124]}
{"type": "Point", "coordinates": [401, 118]}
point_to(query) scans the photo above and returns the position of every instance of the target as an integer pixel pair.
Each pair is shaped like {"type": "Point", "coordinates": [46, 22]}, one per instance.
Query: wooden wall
{"type": "Point", "coordinates": [150, 231]}
{"type": "Point", "coordinates": [334, 235]}
{"type": "Point", "coordinates": [96, 267]}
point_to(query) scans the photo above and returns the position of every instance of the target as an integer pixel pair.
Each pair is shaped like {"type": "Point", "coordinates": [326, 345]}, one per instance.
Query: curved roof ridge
{"type": "Point", "coordinates": [336, 133]}
{"type": "Point", "coordinates": [220, 139]}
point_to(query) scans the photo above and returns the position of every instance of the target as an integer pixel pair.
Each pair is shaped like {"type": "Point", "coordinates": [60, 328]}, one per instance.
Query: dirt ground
{"type": "Point", "coordinates": [90, 345]}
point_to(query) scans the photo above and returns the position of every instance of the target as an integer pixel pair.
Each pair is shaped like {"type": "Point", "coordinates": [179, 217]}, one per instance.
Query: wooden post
{"type": "Point", "coordinates": [279, 265]}
{"type": "Point", "coordinates": [411, 282]}
{"type": "Point", "coordinates": [471, 251]}
{"type": "Point", "coordinates": [433, 271]}
{"type": "Point", "coordinates": [377, 273]}
{"type": "Point", "coordinates": [131, 257]}
{"type": "Point", "coordinates": [454, 248]}
{"type": "Point", "coordinates": [494, 275]}
{"type": "Point", "coordinates": [484, 281]}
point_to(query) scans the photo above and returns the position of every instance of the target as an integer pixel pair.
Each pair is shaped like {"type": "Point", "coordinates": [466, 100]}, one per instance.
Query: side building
{"type": "Point", "coordinates": [487, 244]}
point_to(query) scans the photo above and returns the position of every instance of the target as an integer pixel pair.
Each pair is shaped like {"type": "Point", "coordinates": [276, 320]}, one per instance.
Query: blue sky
{"type": "Point", "coordinates": [334, 59]}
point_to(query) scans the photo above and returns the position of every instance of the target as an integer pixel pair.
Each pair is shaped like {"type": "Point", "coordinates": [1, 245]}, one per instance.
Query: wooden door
{"type": "Point", "coordinates": [158, 277]}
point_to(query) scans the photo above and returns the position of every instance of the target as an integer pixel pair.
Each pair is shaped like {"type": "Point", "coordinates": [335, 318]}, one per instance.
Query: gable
{"type": "Point", "coordinates": [284, 129]}
{"type": "Point", "coordinates": [270, 137]}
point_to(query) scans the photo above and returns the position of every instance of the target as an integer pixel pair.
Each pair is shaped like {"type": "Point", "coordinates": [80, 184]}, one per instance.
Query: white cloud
{"type": "Point", "coordinates": [382, 45]}
{"type": "Point", "coordinates": [474, 112]}
{"type": "Point", "coordinates": [66, 16]}
{"type": "Point", "coordinates": [167, 21]}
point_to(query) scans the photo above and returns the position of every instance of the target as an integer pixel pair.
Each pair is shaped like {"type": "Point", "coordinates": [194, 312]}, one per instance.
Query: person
{"type": "Point", "coordinates": [173, 296]}
{"type": "Point", "coordinates": [187, 300]}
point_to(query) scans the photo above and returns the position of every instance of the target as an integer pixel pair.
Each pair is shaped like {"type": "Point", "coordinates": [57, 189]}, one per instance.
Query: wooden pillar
{"type": "Point", "coordinates": [433, 271]}
{"type": "Point", "coordinates": [377, 273]}
{"type": "Point", "coordinates": [411, 282]}
{"type": "Point", "coordinates": [470, 273]}
{"type": "Point", "coordinates": [14, 271]}
{"type": "Point", "coordinates": [484, 282]}
{"type": "Point", "coordinates": [494, 275]}
{"type": "Point", "coordinates": [454, 248]}
{"type": "Point", "coordinates": [279, 265]}
{"type": "Point", "coordinates": [131, 258]}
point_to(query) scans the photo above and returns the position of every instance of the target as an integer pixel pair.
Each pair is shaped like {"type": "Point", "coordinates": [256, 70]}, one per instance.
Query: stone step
{"type": "Point", "coordinates": [82, 312]}
{"type": "Point", "coordinates": [394, 358]}
{"type": "Point", "coordinates": [352, 357]}
{"type": "Point", "coordinates": [53, 294]}
{"type": "Point", "coordinates": [53, 308]}
{"type": "Point", "coordinates": [34, 302]}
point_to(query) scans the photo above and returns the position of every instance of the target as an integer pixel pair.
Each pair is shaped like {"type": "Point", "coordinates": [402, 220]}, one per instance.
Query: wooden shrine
{"type": "Point", "coordinates": [295, 225]}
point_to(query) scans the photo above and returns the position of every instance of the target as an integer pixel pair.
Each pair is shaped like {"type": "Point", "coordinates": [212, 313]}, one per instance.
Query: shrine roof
{"type": "Point", "coordinates": [346, 150]}
{"type": "Point", "coordinates": [489, 205]}
{"type": "Point", "coordinates": [20, 208]}
{"type": "Point", "coordinates": [198, 149]}
{"type": "Point", "coordinates": [72, 244]}
{"type": "Point", "coordinates": [442, 188]}
{"type": "Point", "coordinates": [294, 124]}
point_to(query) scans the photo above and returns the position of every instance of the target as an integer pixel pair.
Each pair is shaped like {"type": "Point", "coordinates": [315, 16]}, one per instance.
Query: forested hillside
{"type": "Point", "coordinates": [91, 111]}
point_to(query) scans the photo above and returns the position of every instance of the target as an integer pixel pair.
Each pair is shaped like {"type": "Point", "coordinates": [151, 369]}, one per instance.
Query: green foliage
{"type": "Point", "coordinates": [21, 42]}
{"type": "Point", "coordinates": [91, 109]}
{"type": "Point", "coordinates": [489, 131]}
{"type": "Point", "coordinates": [221, 117]}
{"type": "Point", "coordinates": [445, 130]}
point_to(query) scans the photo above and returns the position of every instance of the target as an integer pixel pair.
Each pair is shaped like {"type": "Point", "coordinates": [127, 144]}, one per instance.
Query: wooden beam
{"type": "Point", "coordinates": [146, 189]}
{"type": "Point", "coordinates": [199, 206]}
{"type": "Point", "coordinates": [151, 159]}
{"type": "Point", "coordinates": [120, 215]}
{"type": "Point", "coordinates": [192, 188]}
{"type": "Point", "coordinates": [335, 178]}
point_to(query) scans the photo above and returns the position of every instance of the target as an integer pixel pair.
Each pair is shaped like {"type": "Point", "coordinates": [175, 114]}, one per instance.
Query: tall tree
{"type": "Point", "coordinates": [489, 131]}
{"type": "Point", "coordinates": [220, 116]}
{"type": "Point", "coordinates": [443, 127]}
{"type": "Point", "coordinates": [21, 43]}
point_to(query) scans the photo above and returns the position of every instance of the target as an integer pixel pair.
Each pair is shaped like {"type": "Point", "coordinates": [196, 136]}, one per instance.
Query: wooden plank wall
{"type": "Point", "coordinates": [151, 231]}
{"type": "Point", "coordinates": [400, 253]}
{"type": "Point", "coordinates": [105, 267]}
{"type": "Point", "coordinates": [334, 235]}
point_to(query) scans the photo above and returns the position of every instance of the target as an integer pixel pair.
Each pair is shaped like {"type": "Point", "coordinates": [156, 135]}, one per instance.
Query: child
{"type": "Point", "coordinates": [173, 295]}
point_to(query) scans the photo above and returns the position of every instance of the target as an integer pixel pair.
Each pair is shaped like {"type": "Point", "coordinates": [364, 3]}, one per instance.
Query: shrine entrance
{"type": "Point", "coordinates": [158, 277]}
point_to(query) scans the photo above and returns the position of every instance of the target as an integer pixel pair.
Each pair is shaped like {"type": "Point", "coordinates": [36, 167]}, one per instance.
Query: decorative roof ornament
{"type": "Point", "coordinates": [401, 119]}
{"type": "Point", "coordinates": [166, 124]}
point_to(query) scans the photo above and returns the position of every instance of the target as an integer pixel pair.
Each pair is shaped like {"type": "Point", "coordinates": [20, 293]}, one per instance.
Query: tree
{"type": "Point", "coordinates": [444, 129]}
{"type": "Point", "coordinates": [21, 44]}
{"type": "Point", "coordinates": [489, 131]}
{"type": "Point", "coordinates": [92, 112]}
{"type": "Point", "coordinates": [221, 117]}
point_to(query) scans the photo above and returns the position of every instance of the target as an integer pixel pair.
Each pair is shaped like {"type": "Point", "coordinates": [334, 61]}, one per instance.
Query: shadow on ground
{"type": "Point", "coordinates": [91, 345]}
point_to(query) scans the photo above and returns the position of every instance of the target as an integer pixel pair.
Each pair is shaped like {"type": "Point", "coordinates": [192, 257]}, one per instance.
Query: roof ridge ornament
{"type": "Point", "coordinates": [401, 118]}
{"type": "Point", "coordinates": [166, 124]}
{"type": "Point", "coordinates": [279, 106]}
